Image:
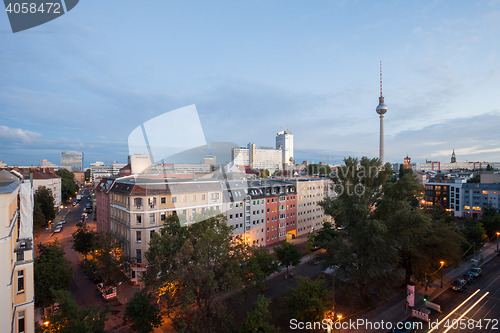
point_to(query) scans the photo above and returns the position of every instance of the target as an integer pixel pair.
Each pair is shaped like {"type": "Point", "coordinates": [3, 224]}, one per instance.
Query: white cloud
{"type": "Point", "coordinates": [18, 134]}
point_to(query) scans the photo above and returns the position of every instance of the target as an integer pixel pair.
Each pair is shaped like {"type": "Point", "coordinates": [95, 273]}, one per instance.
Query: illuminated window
{"type": "Point", "coordinates": [20, 281]}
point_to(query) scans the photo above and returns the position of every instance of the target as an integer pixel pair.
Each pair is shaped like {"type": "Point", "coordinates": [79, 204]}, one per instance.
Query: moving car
{"type": "Point", "coordinates": [458, 285]}
{"type": "Point", "coordinates": [476, 271]}
{"type": "Point", "coordinates": [58, 229]}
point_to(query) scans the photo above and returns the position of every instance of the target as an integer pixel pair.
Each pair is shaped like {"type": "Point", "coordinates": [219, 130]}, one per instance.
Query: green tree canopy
{"type": "Point", "coordinates": [68, 318]}
{"type": "Point", "coordinates": [288, 255]}
{"type": "Point", "coordinates": [52, 272]}
{"type": "Point", "coordinates": [258, 319]}
{"type": "Point", "coordinates": [68, 186]}
{"type": "Point", "coordinates": [111, 263]}
{"type": "Point", "coordinates": [84, 240]}
{"type": "Point", "coordinates": [317, 169]}
{"type": "Point", "coordinates": [365, 257]}
{"type": "Point", "coordinates": [190, 266]}
{"type": "Point", "coordinates": [143, 312]}
{"type": "Point", "coordinates": [310, 300]}
{"type": "Point", "coordinates": [44, 210]}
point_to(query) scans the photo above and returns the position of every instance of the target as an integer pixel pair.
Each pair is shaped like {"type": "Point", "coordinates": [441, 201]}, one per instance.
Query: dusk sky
{"type": "Point", "coordinates": [86, 80]}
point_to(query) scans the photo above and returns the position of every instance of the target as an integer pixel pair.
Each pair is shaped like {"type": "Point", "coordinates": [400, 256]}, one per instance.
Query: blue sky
{"type": "Point", "coordinates": [85, 80]}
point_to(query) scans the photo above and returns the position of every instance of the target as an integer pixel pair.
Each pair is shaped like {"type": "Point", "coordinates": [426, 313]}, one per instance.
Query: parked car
{"type": "Point", "coordinates": [458, 285]}
{"type": "Point", "coordinates": [405, 327]}
{"type": "Point", "coordinates": [74, 203]}
{"type": "Point", "coordinates": [476, 271]}
{"type": "Point", "coordinates": [57, 229]}
{"type": "Point", "coordinates": [59, 225]}
{"type": "Point", "coordinates": [63, 221]}
{"type": "Point", "coordinates": [468, 278]}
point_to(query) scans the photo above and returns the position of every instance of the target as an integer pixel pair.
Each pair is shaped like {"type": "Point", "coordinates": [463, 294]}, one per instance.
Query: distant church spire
{"type": "Point", "coordinates": [453, 157]}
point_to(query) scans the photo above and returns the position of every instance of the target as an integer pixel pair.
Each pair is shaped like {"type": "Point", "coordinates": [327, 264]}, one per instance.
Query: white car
{"type": "Point", "coordinates": [63, 221]}
{"type": "Point", "coordinates": [58, 229]}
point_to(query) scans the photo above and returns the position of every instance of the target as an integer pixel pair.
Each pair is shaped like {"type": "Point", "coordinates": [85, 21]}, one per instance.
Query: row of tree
{"type": "Point", "coordinates": [387, 239]}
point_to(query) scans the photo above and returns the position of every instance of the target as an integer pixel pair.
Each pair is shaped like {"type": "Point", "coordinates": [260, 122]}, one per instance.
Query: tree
{"type": "Point", "coordinates": [421, 241]}
{"type": "Point", "coordinates": [68, 186]}
{"type": "Point", "coordinates": [364, 257]}
{"type": "Point", "coordinates": [110, 263]}
{"type": "Point", "coordinates": [489, 168]}
{"type": "Point", "coordinates": [52, 271]}
{"type": "Point", "coordinates": [474, 233]}
{"type": "Point", "coordinates": [143, 312]}
{"type": "Point", "coordinates": [288, 255]}
{"type": "Point", "coordinates": [43, 206]}
{"type": "Point", "coordinates": [317, 169]}
{"type": "Point", "coordinates": [309, 301]}
{"type": "Point", "coordinates": [475, 179]}
{"type": "Point", "coordinates": [71, 319]}
{"type": "Point", "coordinates": [83, 240]}
{"type": "Point", "coordinates": [260, 264]}
{"type": "Point", "coordinates": [189, 267]}
{"type": "Point", "coordinates": [258, 319]}
{"type": "Point", "coordinates": [38, 217]}
{"type": "Point", "coordinates": [265, 173]}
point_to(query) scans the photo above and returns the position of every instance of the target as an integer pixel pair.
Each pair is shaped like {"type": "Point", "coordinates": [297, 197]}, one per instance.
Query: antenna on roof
{"type": "Point", "coordinates": [380, 77]}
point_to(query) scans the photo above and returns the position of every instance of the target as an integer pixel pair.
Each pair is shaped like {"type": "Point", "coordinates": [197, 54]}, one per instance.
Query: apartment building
{"type": "Point", "coordinates": [310, 216]}
{"type": "Point", "coordinates": [16, 254]}
{"type": "Point", "coordinates": [139, 206]}
{"type": "Point", "coordinates": [42, 177]}
{"type": "Point", "coordinates": [478, 196]}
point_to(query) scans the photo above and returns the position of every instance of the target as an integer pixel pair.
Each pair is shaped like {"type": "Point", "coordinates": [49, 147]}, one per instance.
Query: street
{"type": "Point", "coordinates": [480, 311]}
{"type": "Point", "coordinates": [82, 288]}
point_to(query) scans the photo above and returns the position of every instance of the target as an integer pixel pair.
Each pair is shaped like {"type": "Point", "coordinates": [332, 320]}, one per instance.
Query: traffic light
{"type": "Point", "coordinates": [425, 298]}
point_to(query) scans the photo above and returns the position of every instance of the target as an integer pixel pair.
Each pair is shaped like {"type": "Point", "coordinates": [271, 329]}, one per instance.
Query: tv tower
{"type": "Point", "coordinates": [381, 110]}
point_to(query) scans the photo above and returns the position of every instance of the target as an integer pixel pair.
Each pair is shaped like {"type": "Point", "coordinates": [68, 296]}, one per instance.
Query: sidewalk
{"type": "Point", "coordinates": [395, 310]}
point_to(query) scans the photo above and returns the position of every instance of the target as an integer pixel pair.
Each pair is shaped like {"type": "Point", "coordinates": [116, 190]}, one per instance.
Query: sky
{"type": "Point", "coordinates": [87, 79]}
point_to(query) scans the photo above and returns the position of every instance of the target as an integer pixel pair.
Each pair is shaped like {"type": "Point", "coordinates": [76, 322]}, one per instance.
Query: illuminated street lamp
{"type": "Point", "coordinates": [441, 268]}
{"type": "Point", "coordinates": [498, 234]}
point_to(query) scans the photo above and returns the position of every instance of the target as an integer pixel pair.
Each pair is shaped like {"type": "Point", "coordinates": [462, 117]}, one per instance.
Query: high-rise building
{"type": "Point", "coordinates": [72, 159]}
{"type": "Point", "coordinates": [381, 110]}
{"type": "Point", "coordinates": [284, 142]}
{"type": "Point", "coordinates": [17, 295]}
{"type": "Point", "coordinates": [258, 158]}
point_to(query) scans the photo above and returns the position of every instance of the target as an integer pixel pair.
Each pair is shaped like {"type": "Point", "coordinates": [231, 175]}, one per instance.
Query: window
{"type": "Point", "coordinates": [151, 233]}
{"type": "Point", "coordinates": [152, 218]}
{"type": "Point", "coordinates": [138, 236]}
{"type": "Point", "coordinates": [21, 324]}
{"type": "Point", "coordinates": [203, 197]}
{"type": "Point", "coordinates": [215, 196]}
{"type": "Point", "coordinates": [138, 202]}
{"type": "Point", "coordinates": [194, 197]}
{"type": "Point", "coordinates": [20, 281]}
{"type": "Point", "coordinates": [174, 199]}
{"type": "Point", "coordinates": [138, 256]}
{"type": "Point", "coordinates": [138, 218]}
{"type": "Point", "coordinates": [163, 200]}
{"type": "Point", "coordinates": [163, 217]}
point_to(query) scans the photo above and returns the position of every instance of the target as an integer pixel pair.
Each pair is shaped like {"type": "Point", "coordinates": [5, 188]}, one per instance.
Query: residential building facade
{"type": "Point", "coordinates": [16, 255]}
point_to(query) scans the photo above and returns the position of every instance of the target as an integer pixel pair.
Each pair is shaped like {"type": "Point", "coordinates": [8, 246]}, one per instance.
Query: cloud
{"type": "Point", "coordinates": [18, 134]}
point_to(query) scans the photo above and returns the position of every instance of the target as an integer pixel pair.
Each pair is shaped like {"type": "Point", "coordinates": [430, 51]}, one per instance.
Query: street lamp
{"type": "Point", "coordinates": [339, 316]}
{"type": "Point", "coordinates": [442, 264]}
{"type": "Point", "coordinates": [498, 234]}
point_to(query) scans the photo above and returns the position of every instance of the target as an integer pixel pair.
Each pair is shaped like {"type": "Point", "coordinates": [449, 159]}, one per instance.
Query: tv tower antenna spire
{"type": "Point", "coordinates": [381, 110]}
